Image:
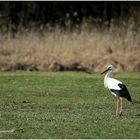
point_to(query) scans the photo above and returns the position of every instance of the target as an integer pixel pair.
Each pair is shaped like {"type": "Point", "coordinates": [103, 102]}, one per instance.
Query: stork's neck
{"type": "Point", "coordinates": [108, 74]}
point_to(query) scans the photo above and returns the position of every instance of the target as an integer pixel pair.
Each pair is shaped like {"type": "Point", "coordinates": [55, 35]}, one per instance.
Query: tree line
{"type": "Point", "coordinates": [15, 15]}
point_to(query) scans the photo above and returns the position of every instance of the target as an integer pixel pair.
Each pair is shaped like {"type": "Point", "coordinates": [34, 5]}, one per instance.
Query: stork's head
{"type": "Point", "coordinates": [110, 68]}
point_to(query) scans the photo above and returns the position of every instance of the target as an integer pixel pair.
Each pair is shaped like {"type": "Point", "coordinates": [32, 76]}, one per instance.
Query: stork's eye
{"type": "Point", "coordinates": [109, 68]}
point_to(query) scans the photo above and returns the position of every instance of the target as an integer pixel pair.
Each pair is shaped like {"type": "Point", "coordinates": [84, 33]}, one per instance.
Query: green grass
{"type": "Point", "coordinates": [65, 105]}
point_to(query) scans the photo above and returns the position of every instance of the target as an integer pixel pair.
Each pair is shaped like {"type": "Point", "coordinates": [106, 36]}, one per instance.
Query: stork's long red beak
{"type": "Point", "coordinates": [104, 71]}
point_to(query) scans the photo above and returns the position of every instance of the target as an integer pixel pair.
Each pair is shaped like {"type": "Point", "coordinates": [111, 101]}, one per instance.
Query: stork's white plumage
{"type": "Point", "coordinates": [116, 87]}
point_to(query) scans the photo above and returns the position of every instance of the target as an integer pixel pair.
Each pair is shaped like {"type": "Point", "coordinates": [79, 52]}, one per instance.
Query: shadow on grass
{"type": "Point", "coordinates": [137, 115]}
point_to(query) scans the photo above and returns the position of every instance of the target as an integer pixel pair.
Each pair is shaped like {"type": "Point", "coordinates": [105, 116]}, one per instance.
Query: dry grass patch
{"type": "Point", "coordinates": [59, 51]}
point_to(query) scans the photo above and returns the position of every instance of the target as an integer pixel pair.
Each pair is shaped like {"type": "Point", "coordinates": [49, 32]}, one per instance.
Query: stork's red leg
{"type": "Point", "coordinates": [120, 106]}
{"type": "Point", "coordinates": [117, 105]}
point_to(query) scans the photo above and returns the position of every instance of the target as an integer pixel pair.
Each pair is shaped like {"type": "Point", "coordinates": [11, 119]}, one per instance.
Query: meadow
{"type": "Point", "coordinates": [65, 105]}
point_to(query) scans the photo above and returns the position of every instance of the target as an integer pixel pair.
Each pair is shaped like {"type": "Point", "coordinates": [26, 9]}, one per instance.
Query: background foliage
{"type": "Point", "coordinates": [19, 14]}
{"type": "Point", "coordinates": [69, 35]}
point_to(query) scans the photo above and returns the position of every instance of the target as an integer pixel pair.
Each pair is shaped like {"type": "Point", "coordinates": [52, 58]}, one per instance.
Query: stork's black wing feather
{"type": "Point", "coordinates": [123, 92]}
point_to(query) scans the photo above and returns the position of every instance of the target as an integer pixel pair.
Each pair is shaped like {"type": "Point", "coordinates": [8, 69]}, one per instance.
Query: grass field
{"type": "Point", "coordinates": [65, 105]}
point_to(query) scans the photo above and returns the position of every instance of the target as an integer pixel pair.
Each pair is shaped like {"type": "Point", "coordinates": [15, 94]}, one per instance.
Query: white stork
{"type": "Point", "coordinates": [116, 87]}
